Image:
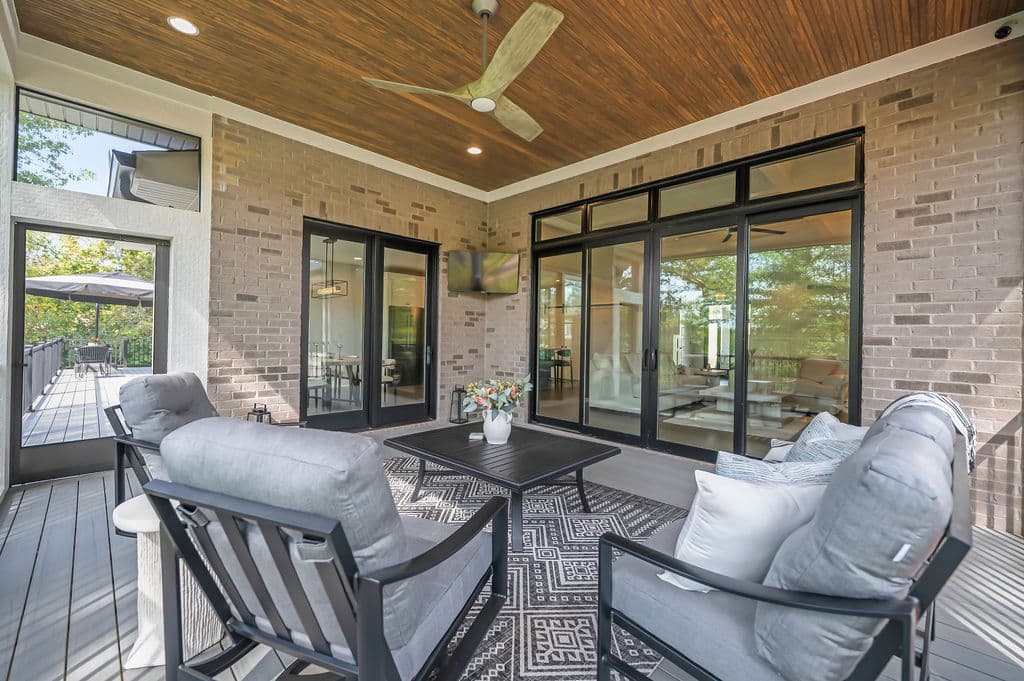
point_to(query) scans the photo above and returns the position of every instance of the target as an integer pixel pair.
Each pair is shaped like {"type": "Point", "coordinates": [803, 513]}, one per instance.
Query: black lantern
{"type": "Point", "coordinates": [455, 413]}
{"type": "Point", "coordinates": [260, 414]}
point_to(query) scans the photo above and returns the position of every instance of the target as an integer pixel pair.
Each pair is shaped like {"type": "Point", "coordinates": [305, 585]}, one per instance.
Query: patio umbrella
{"type": "Point", "coordinates": [101, 288]}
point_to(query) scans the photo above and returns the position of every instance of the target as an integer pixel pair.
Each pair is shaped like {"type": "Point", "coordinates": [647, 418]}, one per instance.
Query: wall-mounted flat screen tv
{"type": "Point", "coordinates": [485, 272]}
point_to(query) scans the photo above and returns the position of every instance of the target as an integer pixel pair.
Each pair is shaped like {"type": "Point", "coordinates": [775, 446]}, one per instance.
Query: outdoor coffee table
{"type": "Point", "coordinates": [529, 459]}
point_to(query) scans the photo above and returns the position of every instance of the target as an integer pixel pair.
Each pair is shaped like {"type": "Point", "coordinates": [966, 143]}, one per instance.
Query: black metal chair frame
{"type": "Point", "coordinates": [356, 599]}
{"type": "Point", "coordinates": [126, 454]}
{"type": "Point", "coordinates": [897, 638]}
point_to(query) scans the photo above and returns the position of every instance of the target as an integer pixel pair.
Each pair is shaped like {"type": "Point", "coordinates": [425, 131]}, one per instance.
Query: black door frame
{"type": "Point", "coordinates": [742, 213]}
{"type": "Point", "coordinates": [80, 456]}
{"type": "Point", "coordinates": [372, 414]}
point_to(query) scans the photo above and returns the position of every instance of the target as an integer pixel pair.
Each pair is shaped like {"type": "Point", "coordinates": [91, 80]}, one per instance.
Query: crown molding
{"type": "Point", "coordinates": [88, 67]}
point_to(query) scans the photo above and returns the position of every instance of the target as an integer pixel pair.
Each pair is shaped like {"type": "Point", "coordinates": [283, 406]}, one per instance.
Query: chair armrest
{"type": "Point", "coordinates": [129, 440]}
{"type": "Point", "coordinates": [495, 509]}
{"type": "Point", "coordinates": [894, 608]}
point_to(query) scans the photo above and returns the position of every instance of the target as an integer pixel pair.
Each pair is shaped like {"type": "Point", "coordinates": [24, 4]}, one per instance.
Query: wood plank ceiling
{"type": "Point", "coordinates": [615, 72]}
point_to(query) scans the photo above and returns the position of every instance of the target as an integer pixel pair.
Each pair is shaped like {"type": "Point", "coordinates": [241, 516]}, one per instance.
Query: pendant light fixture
{"type": "Point", "coordinates": [329, 287]}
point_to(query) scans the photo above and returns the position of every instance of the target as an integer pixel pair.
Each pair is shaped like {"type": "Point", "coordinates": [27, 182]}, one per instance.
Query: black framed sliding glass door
{"type": "Point", "coordinates": [369, 328]}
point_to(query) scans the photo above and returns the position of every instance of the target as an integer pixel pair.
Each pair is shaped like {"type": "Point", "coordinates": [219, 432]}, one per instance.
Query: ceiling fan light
{"type": "Point", "coordinates": [483, 104]}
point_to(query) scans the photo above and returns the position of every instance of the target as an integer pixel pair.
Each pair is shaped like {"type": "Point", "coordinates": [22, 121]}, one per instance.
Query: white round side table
{"type": "Point", "coordinates": [201, 628]}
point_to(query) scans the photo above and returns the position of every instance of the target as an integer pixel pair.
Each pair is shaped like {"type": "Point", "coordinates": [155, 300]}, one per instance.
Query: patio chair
{"type": "Point", "coordinates": [93, 357]}
{"type": "Point", "coordinates": [150, 408]}
{"type": "Point", "coordinates": [294, 538]}
{"type": "Point", "coordinates": [712, 636]}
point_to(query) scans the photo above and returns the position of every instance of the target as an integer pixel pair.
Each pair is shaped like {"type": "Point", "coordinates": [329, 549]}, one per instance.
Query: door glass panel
{"type": "Point", "coordinates": [710, 192]}
{"type": "Point", "coordinates": [622, 212]}
{"type": "Point", "coordinates": [696, 338]}
{"type": "Point", "coordinates": [819, 169]}
{"type": "Point", "coordinates": [88, 330]}
{"type": "Point", "coordinates": [615, 364]}
{"type": "Point", "coordinates": [563, 224]}
{"type": "Point", "coordinates": [799, 325]}
{"type": "Point", "coordinates": [559, 296]}
{"type": "Point", "coordinates": [403, 374]}
{"type": "Point", "coordinates": [336, 366]}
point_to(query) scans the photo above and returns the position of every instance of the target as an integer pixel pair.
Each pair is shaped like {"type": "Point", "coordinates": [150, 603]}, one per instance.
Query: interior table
{"type": "Point", "coordinates": [529, 459]}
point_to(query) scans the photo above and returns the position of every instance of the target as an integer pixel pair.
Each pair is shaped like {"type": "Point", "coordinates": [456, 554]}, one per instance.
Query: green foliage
{"type": "Point", "coordinates": [43, 144]}
{"type": "Point", "coordinates": [799, 299]}
{"type": "Point", "coordinates": [49, 254]}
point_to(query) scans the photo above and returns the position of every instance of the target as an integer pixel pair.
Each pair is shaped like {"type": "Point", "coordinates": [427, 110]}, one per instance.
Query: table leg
{"type": "Point", "coordinates": [419, 481]}
{"type": "Point", "coordinates": [517, 521]}
{"type": "Point", "coordinates": [583, 492]}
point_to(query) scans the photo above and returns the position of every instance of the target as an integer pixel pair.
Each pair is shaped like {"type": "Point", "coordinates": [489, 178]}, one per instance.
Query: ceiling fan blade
{"type": "Point", "coordinates": [414, 89]}
{"type": "Point", "coordinates": [766, 230]}
{"type": "Point", "coordinates": [516, 120]}
{"type": "Point", "coordinates": [517, 49]}
{"type": "Point", "coordinates": [728, 235]}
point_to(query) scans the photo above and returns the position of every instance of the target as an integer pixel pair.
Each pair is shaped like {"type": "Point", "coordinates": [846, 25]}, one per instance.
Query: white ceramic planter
{"type": "Point", "coordinates": [497, 430]}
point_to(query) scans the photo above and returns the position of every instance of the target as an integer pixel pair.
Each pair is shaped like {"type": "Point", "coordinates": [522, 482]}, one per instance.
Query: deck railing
{"type": "Point", "coordinates": [127, 352]}
{"type": "Point", "coordinates": [42, 363]}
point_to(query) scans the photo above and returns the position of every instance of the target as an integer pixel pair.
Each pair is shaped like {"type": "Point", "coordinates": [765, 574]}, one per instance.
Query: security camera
{"type": "Point", "coordinates": [1003, 31]}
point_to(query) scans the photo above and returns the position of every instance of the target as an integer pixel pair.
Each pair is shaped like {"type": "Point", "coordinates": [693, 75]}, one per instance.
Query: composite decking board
{"type": "Point", "coordinates": [16, 567]}
{"type": "Point", "coordinates": [71, 408]}
{"type": "Point", "coordinates": [44, 621]}
{"type": "Point", "coordinates": [8, 512]}
{"type": "Point", "coordinates": [92, 653]}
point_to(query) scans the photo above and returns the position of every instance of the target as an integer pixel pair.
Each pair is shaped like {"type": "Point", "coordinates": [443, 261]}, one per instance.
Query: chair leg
{"type": "Point", "coordinates": [604, 612]}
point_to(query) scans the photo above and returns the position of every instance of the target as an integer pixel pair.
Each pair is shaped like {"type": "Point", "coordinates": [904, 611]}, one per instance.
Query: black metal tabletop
{"type": "Point", "coordinates": [529, 458]}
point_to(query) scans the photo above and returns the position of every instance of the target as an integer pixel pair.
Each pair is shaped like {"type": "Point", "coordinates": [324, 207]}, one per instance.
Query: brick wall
{"type": "Point", "coordinates": [943, 253]}
{"type": "Point", "coordinates": [263, 186]}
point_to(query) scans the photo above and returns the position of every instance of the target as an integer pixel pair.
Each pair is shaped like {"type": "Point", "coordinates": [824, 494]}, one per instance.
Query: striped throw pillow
{"type": "Point", "coordinates": [744, 468]}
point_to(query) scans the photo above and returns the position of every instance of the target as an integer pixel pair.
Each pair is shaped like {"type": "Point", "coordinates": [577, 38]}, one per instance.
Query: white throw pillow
{"type": "Point", "coordinates": [735, 527]}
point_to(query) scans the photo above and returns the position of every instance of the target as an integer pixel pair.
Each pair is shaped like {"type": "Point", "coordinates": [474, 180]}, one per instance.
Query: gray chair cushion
{"type": "Point", "coordinates": [336, 475]}
{"type": "Point", "coordinates": [715, 629]}
{"type": "Point", "coordinates": [155, 405]}
{"type": "Point", "coordinates": [891, 499]}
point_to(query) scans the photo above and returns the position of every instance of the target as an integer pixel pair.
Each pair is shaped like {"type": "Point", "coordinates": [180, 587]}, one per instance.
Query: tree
{"type": "Point", "coordinates": [43, 144]}
{"type": "Point", "coordinates": [49, 254]}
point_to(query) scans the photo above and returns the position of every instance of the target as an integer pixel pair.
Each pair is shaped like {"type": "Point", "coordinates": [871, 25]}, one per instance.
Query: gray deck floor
{"type": "Point", "coordinates": [71, 408]}
{"type": "Point", "coordinates": [67, 596]}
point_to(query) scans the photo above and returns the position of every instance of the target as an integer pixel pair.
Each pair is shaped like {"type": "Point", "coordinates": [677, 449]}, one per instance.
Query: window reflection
{"type": "Point", "coordinates": [799, 325]}
{"type": "Point", "coordinates": [559, 296]}
{"type": "Point", "coordinates": [616, 337]}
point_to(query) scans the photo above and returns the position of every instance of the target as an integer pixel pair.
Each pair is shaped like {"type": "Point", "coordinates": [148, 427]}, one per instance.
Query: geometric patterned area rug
{"type": "Point", "coordinates": [547, 630]}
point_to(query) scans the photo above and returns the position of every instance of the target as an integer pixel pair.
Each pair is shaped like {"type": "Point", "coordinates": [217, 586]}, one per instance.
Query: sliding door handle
{"type": "Point", "coordinates": [643, 361]}
{"type": "Point", "coordinates": [654, 359]}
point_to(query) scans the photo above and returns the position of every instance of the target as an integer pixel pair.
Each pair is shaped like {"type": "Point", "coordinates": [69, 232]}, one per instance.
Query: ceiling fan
{"type": "Point", "coordinates": [520, 45]}
{"type": "Point", "coordinates": [732, 230]}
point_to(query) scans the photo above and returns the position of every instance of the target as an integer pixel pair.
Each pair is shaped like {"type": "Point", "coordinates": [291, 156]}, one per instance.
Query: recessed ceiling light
{"type": "Point", "coordinates": [356, 257]}
{"type": "Point", "coordinates": [476, 151]}
{"type": "Point", "coordinates": [183, 25]}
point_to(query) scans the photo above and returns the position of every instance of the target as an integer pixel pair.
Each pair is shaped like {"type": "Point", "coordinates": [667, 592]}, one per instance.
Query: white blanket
{"type": "Point", "coordinates": [961, 421]}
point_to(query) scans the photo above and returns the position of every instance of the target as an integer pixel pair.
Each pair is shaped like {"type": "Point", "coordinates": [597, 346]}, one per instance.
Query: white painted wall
{"type": "Point", "coordinates": [188, 232]}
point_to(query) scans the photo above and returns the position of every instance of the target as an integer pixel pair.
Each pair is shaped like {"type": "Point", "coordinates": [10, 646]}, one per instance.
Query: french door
{"type": "Point", "coordinates": [369, 325]}
{"type": "Point", "coordinates": [703, 335]}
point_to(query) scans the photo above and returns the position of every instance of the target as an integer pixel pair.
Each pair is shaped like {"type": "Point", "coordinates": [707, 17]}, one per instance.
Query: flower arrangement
{"type": "Point", "coordinates": [495, 396]}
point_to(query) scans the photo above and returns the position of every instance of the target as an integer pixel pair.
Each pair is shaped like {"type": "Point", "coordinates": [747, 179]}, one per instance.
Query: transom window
{"type": "Point", "coordinates": [76, 147]}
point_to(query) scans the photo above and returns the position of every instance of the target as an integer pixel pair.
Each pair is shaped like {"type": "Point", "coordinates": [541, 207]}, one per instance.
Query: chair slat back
{"type": "Point", "coordinates": [286, 573]}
